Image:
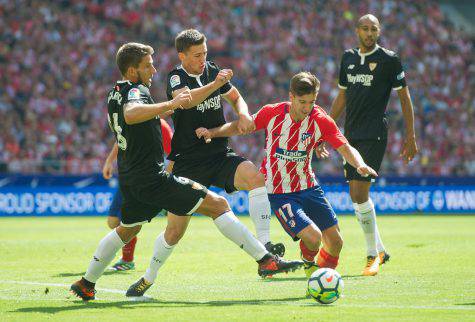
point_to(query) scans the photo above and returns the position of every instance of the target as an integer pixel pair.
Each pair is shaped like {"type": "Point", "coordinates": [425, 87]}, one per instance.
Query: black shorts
{"type": "Point", "coordinates": [372, 152]}
{"type": "Point", "coordinates": [218, 170]}
{"type": "Point", "coordinates": [178, 195]}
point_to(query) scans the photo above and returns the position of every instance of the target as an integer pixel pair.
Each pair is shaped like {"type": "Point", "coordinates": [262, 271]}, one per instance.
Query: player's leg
{"type": "Point", "coordinates": [238, 173]}
{"type": "Point", "coordinates": [104, 254]}
{"type": "Point", "coordinates": [310, 240]}
{"type": "Point", "coordinates": [113, 221]}
{"type": "Point", "coordinates": [332, 245]}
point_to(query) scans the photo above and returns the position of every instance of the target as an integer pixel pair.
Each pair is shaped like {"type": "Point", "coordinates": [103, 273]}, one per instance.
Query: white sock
{"type": "Point", "coordinates": [379, 242]}
{"type": "Point", "coordinates": [233, 229]}
{"type": "Point", "coordinates": [367, 219]}
{"type": "Point", "coordinates": [104, 254]}
{"type": "Point", "coordinates": [160, 254]}
{"type": "Point", "coordinates": [259, 209]}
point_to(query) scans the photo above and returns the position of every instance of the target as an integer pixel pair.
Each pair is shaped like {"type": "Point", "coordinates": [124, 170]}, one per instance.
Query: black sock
{"type": "Point", "coordinates": [87, 283]}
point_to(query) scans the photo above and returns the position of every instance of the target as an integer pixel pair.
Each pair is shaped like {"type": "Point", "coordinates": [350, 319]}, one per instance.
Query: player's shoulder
{"type": "Point", "coordinates": [177, 70]}
{"type": "Point", "coordinates": [319, 114]}
{"type": "Point", "coordinates": [212, 65]}
{"type": "Point", "coordinates": [350, 52]}
{"type": "Point", "coordinates": [388, 54]}
{"type": "Point", "coordinates": [279, 107]}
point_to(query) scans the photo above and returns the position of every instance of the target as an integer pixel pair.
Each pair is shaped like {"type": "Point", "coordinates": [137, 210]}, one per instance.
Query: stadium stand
{"type": "Point", "coordinates": [57, 64]}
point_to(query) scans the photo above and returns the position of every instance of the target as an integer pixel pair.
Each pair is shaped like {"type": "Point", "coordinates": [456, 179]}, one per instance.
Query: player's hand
{"type": "Point", "coordinates": [409, 149]}
{"type": "Point", "coordinates": [224, 76]}
{"type": "Point", "coordinates": [245, 124]}
{"type": "Point", "coordinates": [321, 151]}
{"type": "Point", "coordinates": [366, 170]}
{"type": "Point", "coordinates": [183, 98]}
{"type": "Point", "coordinates": [202, 132]}
{"type": "Point", "coordinates": [107, 170]}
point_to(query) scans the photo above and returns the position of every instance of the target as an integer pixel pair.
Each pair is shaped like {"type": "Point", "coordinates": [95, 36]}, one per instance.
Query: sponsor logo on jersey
{"type": "Point", "coordinates": [211, 103]}
{"type": "Point", "coordinates": [372, 66]}
{"type": "Point", "coordinates": [351, 66]}
{"type": "Point", "coordinates": [364, 79]}
{"type": "Point", "coordinates": [134, 94]}
{"type": "Point", "coordinates": [400, 75]}
{"type": "Point", "coordinates": [290, 155]}
{"type": "Point", "coordinates": [175, 81]}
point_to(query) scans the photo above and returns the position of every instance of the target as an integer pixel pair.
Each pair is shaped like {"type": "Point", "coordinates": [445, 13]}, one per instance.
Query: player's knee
{"type": "Point", "coordinates": [173, 235]}
{"type": "Point", "coordinates": [222, 205]}
{"type": "Point", "coordinates": [337, 244]}
{"type": "Point", "coordinates": [127, 233]}
{"type": "Point", "coordinates": [257, 180]}
{"type": "Point", "coordinates": [312, 239]}
{"type": "Point", "coordinates": [113, 222]}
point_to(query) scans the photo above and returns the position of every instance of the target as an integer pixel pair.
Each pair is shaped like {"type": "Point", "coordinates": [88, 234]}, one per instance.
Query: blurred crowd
{"type": "Point", "coordinates": [57, 63]}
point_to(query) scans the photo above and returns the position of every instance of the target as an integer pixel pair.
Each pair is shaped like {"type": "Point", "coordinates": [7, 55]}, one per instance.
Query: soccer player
{"type": "Point", "coordinates": [293, 130]}
{"type": "Point", "coordinates": [146, 186]}
{"type": "Point", "coordinates": [367, 75]}
{"type": "Point", "coordinates": [215, 163]}
{"type": "Point", "coordinates": [126, 262]}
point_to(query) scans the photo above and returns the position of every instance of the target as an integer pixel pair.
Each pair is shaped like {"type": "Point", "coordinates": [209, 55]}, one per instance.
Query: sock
{"type": "Point", "coordinates": [104, 254]}
{"type": "Point", "coordinates": [307, 254]}
{"type": "Point", "coordinates": [233, 229]}
{"type": "Point", "coordinates": [326, 260]}
{"type": "Point", "coordinates": [379, 242]}
{"type": "Point", "coordinates": [160, 254]}
{"type": "Point", "coordinates": [128, 250]}
{"type": "Point", "coordinates": [260, 212]}
{"type": "Point", "coordinates": [367, 219]}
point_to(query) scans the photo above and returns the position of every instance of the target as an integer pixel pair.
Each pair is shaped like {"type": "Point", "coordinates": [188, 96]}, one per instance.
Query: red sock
{"type": "Point", "coordinates": [128, 250]}
{"type": "Point", "coordinates": [307, 254]}
{"type": "Point", "coordinates": [326, 260]}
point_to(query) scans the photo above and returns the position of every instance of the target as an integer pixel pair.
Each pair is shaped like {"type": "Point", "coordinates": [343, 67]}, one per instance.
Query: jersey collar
{"type": "Point", "coordinates": [189, 74]}
{"type": "Point", "coordinates": [363, 55]}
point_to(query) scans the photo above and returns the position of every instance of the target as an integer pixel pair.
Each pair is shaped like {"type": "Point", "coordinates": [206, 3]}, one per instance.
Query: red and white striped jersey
{"type": "Point", "coordinates": [290, 145]}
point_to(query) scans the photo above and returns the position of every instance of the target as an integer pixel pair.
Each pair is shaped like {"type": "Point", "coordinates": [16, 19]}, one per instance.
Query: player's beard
{"type": "Point", "coordinates": [144, 81]}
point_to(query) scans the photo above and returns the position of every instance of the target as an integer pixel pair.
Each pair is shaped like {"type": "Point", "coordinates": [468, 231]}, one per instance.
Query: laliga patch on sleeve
{"type": "Point", "coordinates": [175, 81]}
{"type": "Point", "coordinates": [400, 75]}
{"type": "Point", "coordinates": [134, 94]}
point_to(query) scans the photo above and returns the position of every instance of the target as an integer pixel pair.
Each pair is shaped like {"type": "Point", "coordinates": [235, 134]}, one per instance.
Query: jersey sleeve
{"type": "Point", "coordinates": [263, 116]}
{"type": "Point", "coordinates": [342, 79]}
{"type": "Point", "coordinates": [138, 95]}
{"type": "Point", "coordinates": [175, 81]}
{"type": "Point", "coordinates": [167, 135]}
{"type": "Point", "coordinates": [398, 78]}
{"type": "Point", "coordinates": [330, 132]}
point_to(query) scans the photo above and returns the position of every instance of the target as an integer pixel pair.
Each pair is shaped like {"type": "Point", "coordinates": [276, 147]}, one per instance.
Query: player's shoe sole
{"type": "Point", "coordinates": [138, 288]}
{"type": "Point", "coordinates": [83, 292]}
{"type": "Point", "coordinates": [372, 266]}
{"type": "Point", "coordinates": [275, 265]}
{"type": "Point", "coordinates": [383, 257]}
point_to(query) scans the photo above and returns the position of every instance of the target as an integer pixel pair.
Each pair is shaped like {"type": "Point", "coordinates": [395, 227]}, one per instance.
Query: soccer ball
{"type": "Point", "coordinates": [325, 285]}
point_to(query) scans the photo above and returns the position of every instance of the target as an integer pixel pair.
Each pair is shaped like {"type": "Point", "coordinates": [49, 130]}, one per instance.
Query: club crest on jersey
{"type": "Point", "coordinates": [175, 81]}
{"type": "Point", "coordinates": [372, 66]}
{"type": "Point", "coordinates": [305, 138]}
{"type": "Point", "coordinates": [134, 94]}
{"type": "Point", "coordinates": [351, 66]}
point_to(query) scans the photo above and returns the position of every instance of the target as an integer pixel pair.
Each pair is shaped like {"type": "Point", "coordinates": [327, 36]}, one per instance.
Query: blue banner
{"type": "Point", "coordinates": [96, 200]}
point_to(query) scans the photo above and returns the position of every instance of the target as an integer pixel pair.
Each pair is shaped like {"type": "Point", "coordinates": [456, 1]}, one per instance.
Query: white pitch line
{"type": "Point", "coordinates": [61, 285]}
{"type": "Point", "coordinates": [342, 305]}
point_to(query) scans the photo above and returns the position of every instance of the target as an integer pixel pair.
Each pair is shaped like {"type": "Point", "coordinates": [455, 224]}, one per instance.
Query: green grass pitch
{"type": "Point", "coordinates": [431, 275]}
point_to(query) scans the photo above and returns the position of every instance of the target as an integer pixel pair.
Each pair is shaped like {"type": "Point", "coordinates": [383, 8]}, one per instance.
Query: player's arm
{"type": "Point", "coordinates": [353, 157]}
{"type": "Point", "coordinates": [139, 112]}
{"type": "Point", "coordinates": [409, 149]}
{"type": "Point", "coordinates": [225, 130]}
{"type": "Point", "coordinates": [239, 105]}
{"type": "Point", "coordinates": [198, 95]}
{"type": "Point", "coordinates": [338, 104]}
{"type": "Point", "coordinates": [108, 167]}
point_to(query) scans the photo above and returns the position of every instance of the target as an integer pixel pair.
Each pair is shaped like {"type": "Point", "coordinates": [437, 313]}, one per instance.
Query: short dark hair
{"type": "Point", "coordinates": [187, 38]}
{"type": "Point", "coordinates": [304, 83]}
{"type": "Point", "coordinates": [130, 55]}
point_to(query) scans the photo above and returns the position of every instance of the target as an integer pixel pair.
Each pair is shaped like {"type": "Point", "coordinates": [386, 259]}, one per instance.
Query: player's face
{"type": "Point", "coordinates": [368, 33]}
{"type": "Point", "coordinates": [146, 70]}
{"type": "Point", "coordinates": [302, 106]}
{"type": "Point", "coordinates": [194, 59]}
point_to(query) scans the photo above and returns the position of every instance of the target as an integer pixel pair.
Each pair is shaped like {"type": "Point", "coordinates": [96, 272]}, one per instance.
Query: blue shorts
{"type": "Point", "coordinates": [297, 210]}
{"type": "Point", "coordinates": [114, 210]}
